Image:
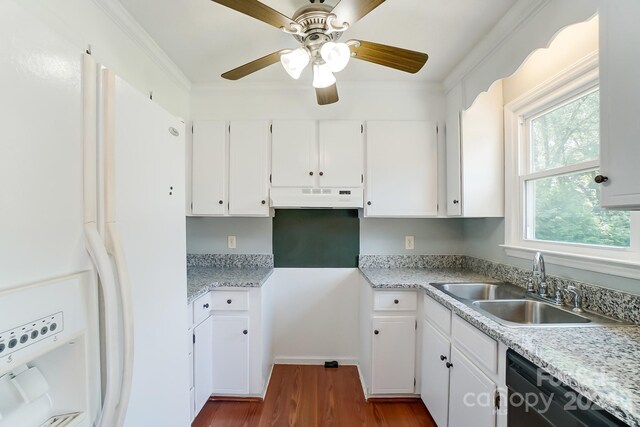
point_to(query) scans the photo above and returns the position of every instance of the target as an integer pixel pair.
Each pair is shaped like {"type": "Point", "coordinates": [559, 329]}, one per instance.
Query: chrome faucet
{"type": "Point", "coordinates": [539, 272]}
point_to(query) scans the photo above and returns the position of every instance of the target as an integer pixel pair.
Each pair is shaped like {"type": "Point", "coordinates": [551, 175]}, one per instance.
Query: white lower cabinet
{"type": "Point", "coordinates": [393, 357]}
{"type": "Point", "coordinates": [459, 377]}
{"type": "Point", "coordinates": [202, 366]}
{"type": "Point", "coordinates": [230, 357]}
{"type": "Point", "coordinates": [436, 352]}
{"type": "Point", "coordinates": [472, 394]}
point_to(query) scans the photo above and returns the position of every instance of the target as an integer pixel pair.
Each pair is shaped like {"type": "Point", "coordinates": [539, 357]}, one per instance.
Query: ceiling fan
{"type": "Point", "coordinates": [318, 27]}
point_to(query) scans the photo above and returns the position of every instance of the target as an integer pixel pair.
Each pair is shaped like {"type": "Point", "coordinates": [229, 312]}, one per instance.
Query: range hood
{"type": "Point", "coordinates": [295, 198]}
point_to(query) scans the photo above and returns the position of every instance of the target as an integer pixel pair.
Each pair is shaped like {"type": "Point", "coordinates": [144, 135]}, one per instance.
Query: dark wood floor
{"type": "Point", "coordinates": [312, 396]}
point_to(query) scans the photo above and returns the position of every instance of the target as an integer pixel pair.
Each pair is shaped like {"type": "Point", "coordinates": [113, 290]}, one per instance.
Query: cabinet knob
{"type": "Point", "coordinates": [376, 332]}
{"type": "Point", "coordinates": [449, 365]}
{"type": "Point", "coordinates": [455, 202]}
{"type": "Point", "coordinates": [229, 301]}
{"type": "Point", "coordinates": [205, 305]}
{"type": "Point", "coordinates": [264, 202]}
{"type": "Point", "coordinates": [220, 202]}
{"type": "Point", "coordinates": [368, 203]}
{"type": "Point", "coordinates": [321, 173]}
{"type": "Point", "coordinates": [599, 179]}
{"type": "Point", "coordinates": [443, 357]}
{"type": "Point", "coordinates": [396, 301]}
{"type": "Point", "coordinates": [245, 332]}
{"type": "Point", "coordinates": [310, 173]}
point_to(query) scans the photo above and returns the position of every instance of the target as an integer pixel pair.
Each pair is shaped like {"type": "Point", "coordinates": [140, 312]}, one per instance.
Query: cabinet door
{"type": "Point", "coordinates": [202, 362]}
{"type": "Point", "coordinates": [472, 394]}
{"type": "Point", "coordinates": [230, 355]}
{"type": "Point", "coordinates": [294, 153]}
{"type": "Point", "coordinates": [619, 103]}
{"type": "Point", "coordinates": [393, 356]}
{"type": "Point", "coordinates": [209, 168]}
{"type": "Point", "coordinates": [341, 154]}
{"type": "Point", "coordinates": [402, 176]}
{"type": "Point", "coordinates": [435, 374]}
{"type": "Point", "coordinates": [248, 168]}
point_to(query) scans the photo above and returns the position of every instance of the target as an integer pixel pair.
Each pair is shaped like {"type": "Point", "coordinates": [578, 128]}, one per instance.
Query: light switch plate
{"type": "Point", "coordinates": [409, 242]}
{"type": "Point", "coordinates": [231, 242]}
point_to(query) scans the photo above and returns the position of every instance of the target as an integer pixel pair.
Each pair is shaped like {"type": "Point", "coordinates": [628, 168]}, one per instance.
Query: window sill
{"type": "Point", "coordinates": [611, 266]}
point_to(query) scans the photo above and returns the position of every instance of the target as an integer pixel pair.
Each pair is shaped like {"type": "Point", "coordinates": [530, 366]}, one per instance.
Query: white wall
{"type": "Point", "coordinates": [119, 43]}
{"type": "Point", "coordinates": [209, 235]}
{"type": "Point", "coordinates": [315, 315]}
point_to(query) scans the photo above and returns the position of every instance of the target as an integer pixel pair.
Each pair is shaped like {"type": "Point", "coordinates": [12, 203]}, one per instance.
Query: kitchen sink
{"type": "Point", "coordinates": [482, 291]}
{"type": "Point", "coordinates": [529, 312]}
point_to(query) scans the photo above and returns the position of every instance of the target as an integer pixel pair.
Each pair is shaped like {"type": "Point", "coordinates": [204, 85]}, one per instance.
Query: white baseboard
{"type": "Point", "coordinates": [362, 383]}
{"type": "Point", "coordinates": [304, 360]}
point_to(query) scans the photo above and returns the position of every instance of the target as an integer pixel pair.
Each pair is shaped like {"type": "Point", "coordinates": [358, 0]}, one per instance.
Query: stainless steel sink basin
{"type": "Point", "coordinates": [482, 291]}
{"type": "Point", "coordinates": [529, 312]}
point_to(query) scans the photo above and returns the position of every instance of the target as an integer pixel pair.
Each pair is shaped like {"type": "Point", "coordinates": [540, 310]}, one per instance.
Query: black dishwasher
{"type": "Point", "coordinates": [536, 399]}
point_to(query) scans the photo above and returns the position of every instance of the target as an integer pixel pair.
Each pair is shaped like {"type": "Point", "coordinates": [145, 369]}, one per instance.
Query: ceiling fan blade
{"type": "Point", "coordinates": [259, 11]}
{"type": "Point", "coordinates": [328, 95]}
{"type": "Point", "coordinates": [393, 57]}
{"type": "Point", "coordinates": [351, 11]}
{"type": "Point", "coordinates": [253, 66]}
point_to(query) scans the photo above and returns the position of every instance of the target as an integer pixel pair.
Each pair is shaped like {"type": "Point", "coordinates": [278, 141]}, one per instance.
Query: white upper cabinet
{"type": "Point", "coordinates": [249, 168]}
{"type": "Point", "coordinates": [328, 156]}
{"type": "Point", "coordinates": [402, 175]}
{"type": "Point", "coordinates": [230, 172]}
{"type": "Point", "coordinates": [475, 155]}
{"type": "Point", "coordinates": [620, 103]}
{"type": "Point", "coordinates": [341, 154]}
{"type": "Point", "coordinates": [294, 153]}
{"type": "Point", "coordinates": [209, 184]}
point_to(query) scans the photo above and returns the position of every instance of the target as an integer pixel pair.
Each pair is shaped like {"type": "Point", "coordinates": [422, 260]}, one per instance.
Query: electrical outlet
{"type": "Point", "coordinates": [231, 242]}
{"type": "Point", "coordinates": [409, 242]}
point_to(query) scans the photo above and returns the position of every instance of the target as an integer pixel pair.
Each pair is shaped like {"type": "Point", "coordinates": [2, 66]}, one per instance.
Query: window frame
{"type": "Point", "coordinates": [577, 80]}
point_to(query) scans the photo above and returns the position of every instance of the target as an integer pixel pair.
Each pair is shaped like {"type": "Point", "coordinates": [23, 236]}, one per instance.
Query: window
{"type": "Point", "coordinates": [553, 203]}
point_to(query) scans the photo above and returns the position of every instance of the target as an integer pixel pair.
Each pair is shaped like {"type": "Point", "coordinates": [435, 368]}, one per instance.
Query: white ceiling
{"type": "Point", "coordinates": [206, 39]}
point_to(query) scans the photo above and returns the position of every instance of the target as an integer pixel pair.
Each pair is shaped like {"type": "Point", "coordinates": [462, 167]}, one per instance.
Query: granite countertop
{"type": "Point", "coordinates": [601, 363]}
{"type": "Point", "coordinates": [201, 279]}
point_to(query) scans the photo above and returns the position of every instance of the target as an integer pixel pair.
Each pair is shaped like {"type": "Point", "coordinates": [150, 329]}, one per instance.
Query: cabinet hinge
{"type": "Point", "coordinates": [270, 128]}
{"type": "Point", "coordinates": [416, 325]}
{"type": "Point", "coordinates": [194, 338]}
{"type": "Point", "coordinates": [229, 128]}
{"type": "Point", "coordinates": [361, 128]}
{"type": "Point", "coordinates": [497, 400]}
{"type": "Point", "coordinates": [361, 178]}
{"type": "Point", "coordinates": [271, 178]}
{"type": "Point", "coordinates": [414, 382]}
{"type": "Point", "coordinates": [191, 205]}
{"type": "Point", "coordinates": [437, 130]}
{"type": "Point", "coordinates": [191, 128]}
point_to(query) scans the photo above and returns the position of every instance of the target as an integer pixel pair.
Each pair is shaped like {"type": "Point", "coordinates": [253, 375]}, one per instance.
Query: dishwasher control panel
{"type": "Point", "coordinates": [30, 333]}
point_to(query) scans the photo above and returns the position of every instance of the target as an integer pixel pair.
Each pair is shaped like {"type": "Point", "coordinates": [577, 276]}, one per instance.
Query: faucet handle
{"type": "Point", "coordinates": [530, 285]}
{"type": "Point", "coordinates": [559, 295]}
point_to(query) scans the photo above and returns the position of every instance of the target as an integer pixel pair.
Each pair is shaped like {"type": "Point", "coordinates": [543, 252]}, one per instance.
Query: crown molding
{"type": "Point", "coordinates": [132, 28]}
{"type": "Point", "coordinates": [516, 17]}
{"type": "Point", "coordinates": [427, 87]}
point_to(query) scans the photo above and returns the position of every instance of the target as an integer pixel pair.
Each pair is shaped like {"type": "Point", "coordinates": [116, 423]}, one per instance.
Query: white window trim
{"type": "Point", "coordinates": [615, 261]}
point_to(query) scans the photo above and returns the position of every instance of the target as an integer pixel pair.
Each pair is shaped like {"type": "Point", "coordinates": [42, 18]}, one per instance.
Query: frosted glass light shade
{"type": "Point", "coordinates": [336, 55]}
{"type": "Point", "coordinates": [322, 77]}
{"type": "Point", "coordinates": [295, 62]}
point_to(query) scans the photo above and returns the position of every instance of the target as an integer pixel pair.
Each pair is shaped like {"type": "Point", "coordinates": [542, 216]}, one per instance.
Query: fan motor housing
{"type": "Point", "coordinates": [313, 19]}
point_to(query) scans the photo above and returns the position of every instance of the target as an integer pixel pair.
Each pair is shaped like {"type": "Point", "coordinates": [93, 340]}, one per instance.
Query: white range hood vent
{"type": "Point", "coordinates": [292, 198]}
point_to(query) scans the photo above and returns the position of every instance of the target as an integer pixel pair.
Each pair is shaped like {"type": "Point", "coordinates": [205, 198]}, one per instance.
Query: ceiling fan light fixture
{"type": "Point", "coordinates": [336, 55]}
{"type": "Point", "coordinates": [295, 61]}
{"type": "Point", "coordinates": [322, 76]}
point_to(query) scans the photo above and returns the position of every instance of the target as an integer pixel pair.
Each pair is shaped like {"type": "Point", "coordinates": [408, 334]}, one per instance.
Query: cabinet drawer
{"type": "Point", "coordinates": [230, 300]}
{"type": "Point", "coordinates": [476, 345]}
{"type": "Point", "coordinates": [201, 308]}
{"type": "Point", "coordinates": [395, 301]}
{"type": "Point", "coordinates": [437, 314]}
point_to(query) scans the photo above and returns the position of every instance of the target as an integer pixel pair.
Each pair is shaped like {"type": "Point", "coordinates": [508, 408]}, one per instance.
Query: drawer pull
{"type": "Point", "coordinates": [443, 357]}
{"type": "Point", "coordinates": [396, 301]}
{"type": "Point", "coordinates": [205, 305]}
{"type": "Point", "coordinates": [229, 301]}
{"type": "Point", "coordinates": [376, 332]}
{"type": "Point", "coordinates": [245, 332]}
{"type": "Point", "coordinates": [449, 365]}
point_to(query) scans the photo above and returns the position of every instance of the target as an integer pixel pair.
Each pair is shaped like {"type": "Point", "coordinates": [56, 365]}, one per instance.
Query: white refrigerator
{"type": "Point", "coordinates": [92, 241]}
